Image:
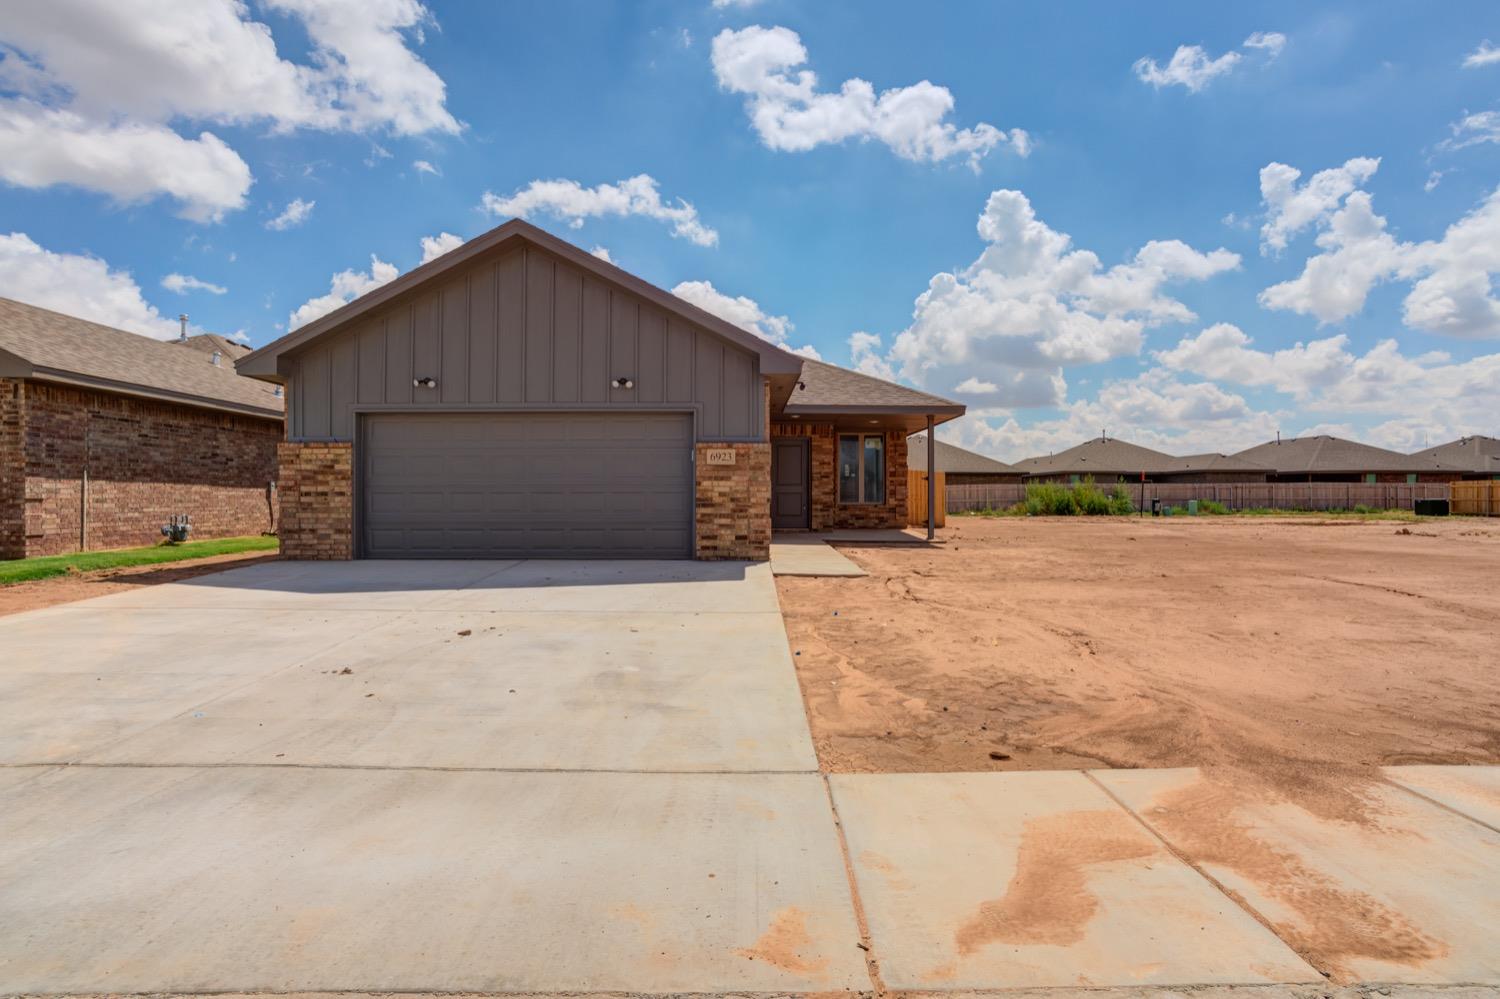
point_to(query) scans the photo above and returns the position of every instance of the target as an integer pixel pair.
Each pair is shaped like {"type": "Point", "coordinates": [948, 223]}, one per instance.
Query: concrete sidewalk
{"type": "Point", "coordinates": [809, 555]}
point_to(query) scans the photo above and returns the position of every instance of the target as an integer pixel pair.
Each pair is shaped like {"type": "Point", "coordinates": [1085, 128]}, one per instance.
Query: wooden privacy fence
{"type": "Point", "coordinates": [1476, 499]}
{"type": "Point", "coordinates": [964, 497]}
{"type": "Point", "coordinates": [916, 499]}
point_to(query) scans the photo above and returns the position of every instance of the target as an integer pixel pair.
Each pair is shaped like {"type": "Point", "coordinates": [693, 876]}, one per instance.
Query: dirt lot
{"type": "Point", "coordinates": [41, 593]}
{"type": "Point", "coordinates": [1291, 656]}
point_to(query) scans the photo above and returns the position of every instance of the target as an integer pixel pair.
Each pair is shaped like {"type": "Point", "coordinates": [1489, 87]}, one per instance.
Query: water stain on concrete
{"type": "Point", "coordinates": [787, 945]}
{"type": "Point", "coordinates": [1333, 924]}
{"type": "Point", "coordinates": [1048, 900]}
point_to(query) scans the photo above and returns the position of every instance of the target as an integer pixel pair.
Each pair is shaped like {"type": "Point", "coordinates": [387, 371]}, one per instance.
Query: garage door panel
{"type": "Point", "coordinates": [537, 484]}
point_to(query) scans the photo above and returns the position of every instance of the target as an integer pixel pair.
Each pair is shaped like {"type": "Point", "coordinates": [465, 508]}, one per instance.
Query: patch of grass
{"type": "Point", "coordinates": [26, 569]}
{"type": "Point", "coordinates": [1358, 513]}
{"type": "Point", "coordinates": [1014, 510]}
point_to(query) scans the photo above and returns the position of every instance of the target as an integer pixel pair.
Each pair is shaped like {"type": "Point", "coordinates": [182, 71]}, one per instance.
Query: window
{"type": "Point", "coordinates": [862, 468]}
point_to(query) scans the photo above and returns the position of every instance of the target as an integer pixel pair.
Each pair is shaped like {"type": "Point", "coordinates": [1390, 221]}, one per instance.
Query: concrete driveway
{"type": "Point", "coordinates": [590, 777]}
{"type": "Point", "coordinates": [466, 776]}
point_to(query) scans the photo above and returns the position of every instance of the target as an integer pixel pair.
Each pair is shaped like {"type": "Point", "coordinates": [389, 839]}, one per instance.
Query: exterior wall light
{"type": "Point", "coordinates": [623, 383]}
{"type": "Point", "coordinates": [424, 382]}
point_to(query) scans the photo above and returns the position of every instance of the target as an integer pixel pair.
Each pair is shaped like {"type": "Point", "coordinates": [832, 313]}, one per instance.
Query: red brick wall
{"type": "Point", "coordinates": [145, 461]}
{"type": "Point", "coordinates": [317, 500]}
{"type": "Point", "coordinates": [827, 512]}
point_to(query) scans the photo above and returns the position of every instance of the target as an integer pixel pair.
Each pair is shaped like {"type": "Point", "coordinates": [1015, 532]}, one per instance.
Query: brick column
{"type": "Point", "coordinates": [733, 510]}
{"type": "Point", "coordinates": [12, 468]}
{"type": "Point", "coordinates": [316, 490]}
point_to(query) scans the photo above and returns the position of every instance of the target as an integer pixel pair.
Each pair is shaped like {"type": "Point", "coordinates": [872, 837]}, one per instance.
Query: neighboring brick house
{"type": "Point", "coordinates": [1322, 458]}
{"type": "Point", "coordinates": [518, 396]}
{"type": "Point", "coordinates": [105, 435]}
{"type": "Point", "coordinates": [1109, 460]}
{"type": "Point", "coordinates": [959, 466]}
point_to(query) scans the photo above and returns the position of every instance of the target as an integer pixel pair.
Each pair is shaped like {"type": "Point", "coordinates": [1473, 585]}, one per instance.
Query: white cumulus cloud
{"type": "Point", "coordinates": [1451, 278]}
{"type": "Point", "coordinates": [1485, 55]}
{"type": "Point", "coordinates": [743, 312]}
{"type": "Point", "coordinates": [294, 214]}
{"type": "Point", "coordinates": [182, 284]}
{"type": "Point", "coordinates": [570, 200]}
{"type": "Point", "coordinates": [344, 288]}
{"type": "Point", "coordinates": [790, 113]}
{"type": "Point", "coordinates": [1290, 208]}
{"type": "Point", "coordinates": [435, 246]}
{"type": "Point", "coordinates": [99, 89]}
{"type": "Point", "coordinates": [1192, 68]}
{"type": "Point", "coordinates": [1032, 304]}
{"type": "Point", "coordinates": [77, 285]}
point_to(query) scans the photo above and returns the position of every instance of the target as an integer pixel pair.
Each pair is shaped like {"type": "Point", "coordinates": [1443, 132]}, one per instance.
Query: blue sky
{"type": "Point", "coordinates": [1188, 225]}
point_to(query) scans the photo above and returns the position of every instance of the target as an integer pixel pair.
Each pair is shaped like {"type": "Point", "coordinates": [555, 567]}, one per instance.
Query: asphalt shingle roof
{"type": "Point", "coordinates": [1472, 454]}
{"type": "Point", "coordinates": [53, 343]}
{"type": "Point", "coordinates": [827, 385]}
{"type": "Point", "coordinates": [1101, 456]}
{"type": "Point", "coordinates": [210, 342]}
{"type": "Point", "coordinates": [953, 460]}
{"type": "Point", "coordinates": [1336, 456]}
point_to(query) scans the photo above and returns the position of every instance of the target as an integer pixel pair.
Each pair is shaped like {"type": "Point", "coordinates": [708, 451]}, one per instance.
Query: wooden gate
{"type": "Point", "coordinates": [916, 498]}
{"type": "Point", "coordinates": [1475, 499]}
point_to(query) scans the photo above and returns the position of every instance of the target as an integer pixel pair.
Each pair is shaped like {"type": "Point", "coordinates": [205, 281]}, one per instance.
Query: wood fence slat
{"type": "Point", "coordinates": [916, 498]}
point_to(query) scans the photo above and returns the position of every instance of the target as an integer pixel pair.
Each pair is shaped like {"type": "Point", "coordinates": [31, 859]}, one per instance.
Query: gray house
{"type": "Point", "coordinates": [520, 397]}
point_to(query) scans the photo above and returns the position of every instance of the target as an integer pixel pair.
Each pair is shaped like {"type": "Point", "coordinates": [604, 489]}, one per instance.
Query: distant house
{"type": "Point", "coordinates": [212, 343]}
{"type": "Point", "coordinates": [105, 435]}
{"type": "Point", "coordinates": [1475, 457]}
{"type": "Point", "coordinates": [1334, 459]}
{"type": "Point", "coordinates": [959, 467]}
{"type": "Point", "coordinates": [1109, 459]}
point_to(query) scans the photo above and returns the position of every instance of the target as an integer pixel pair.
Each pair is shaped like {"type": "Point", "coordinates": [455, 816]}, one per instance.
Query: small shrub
{"type": "Point", "coordinates": [1048, 499]}
{"type": "Point", "coordinates": [1120, 503]}
{"type": "Point", "coordinates": [1212, 506]}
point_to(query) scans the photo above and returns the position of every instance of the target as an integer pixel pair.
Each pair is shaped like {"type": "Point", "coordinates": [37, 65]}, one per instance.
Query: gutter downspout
{"type": "Point", "coordinates": [931, 483]}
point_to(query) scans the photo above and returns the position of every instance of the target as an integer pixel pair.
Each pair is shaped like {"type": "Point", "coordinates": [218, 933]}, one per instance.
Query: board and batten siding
{"type": "Point", "coordinates": [524, 330]}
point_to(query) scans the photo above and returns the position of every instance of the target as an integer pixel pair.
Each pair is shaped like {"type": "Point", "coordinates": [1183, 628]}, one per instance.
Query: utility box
{"type": "Point", "coordinates": [1431, 507]}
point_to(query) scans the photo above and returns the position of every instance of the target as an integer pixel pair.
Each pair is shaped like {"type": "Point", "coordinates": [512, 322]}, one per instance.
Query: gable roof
{"type": "Point", "coordinates": [210, 342]}
{"type": "Point", "coordinates": [1213, 462]}
{"type": "Point", "coordinates": [1336, 456]}
{"type": "Point", "coordinates": [50, 346]}
{"type": "Point", "coordinates": [1101, 456]}
{"type": "Point", "coordinates": [828, 388]}
{"type": "Point", "coordinates": [261, 363]}
{"type": "Point", "coordinates": [953, 460]}
{"type": "Point", "coordinates": [1472, 454]}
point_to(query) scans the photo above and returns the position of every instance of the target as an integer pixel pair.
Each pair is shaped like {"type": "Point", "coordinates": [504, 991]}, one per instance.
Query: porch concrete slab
{"type": "Point", "coordinates": [601, 586]}
{"type": "Point", "coordinates": [1408, 892]}
{"type": "Point", "coordinates": [370, 584]}
{"type": "Point", "coordinates": [1473, 791]}
{"type": "Point", "coordinates": [880, 536]}
{"type": "Point", "coordinates": [1027, 880]}
{"type": "Point", "coordinates": [267, 880]}
{"type": "Point", "coordinates": [76, 678]}
{"type": "Point", "coordinates": [520, 690]}
{"type": "Point", "coordinates": [808, 555]}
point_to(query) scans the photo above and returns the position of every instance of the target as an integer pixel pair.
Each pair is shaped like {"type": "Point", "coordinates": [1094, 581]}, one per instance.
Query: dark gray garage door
{"type": "Point", "coordinates": [558, 485]}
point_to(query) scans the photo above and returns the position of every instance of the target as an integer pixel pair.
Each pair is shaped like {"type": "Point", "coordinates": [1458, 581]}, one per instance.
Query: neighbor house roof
{"type": "Point", "coordinates": [1101, 456]}
{"type": "Point", "coordinates": [210, 342]}
{"type": "Point", "coordinates": [49, 346]}
{"type": "Point", "coordinates": [828, 388]}
{"type": "Point", "coordinates": [953, 460]}
{"type": "Point", "coordinates": [1336, 456]}
{"type": "Point", "coordinates": [1218, 463]}
{"type": "Point", "coordinates": [1472, 454]}
{"type": "Point", "coordinates": [774, 360]}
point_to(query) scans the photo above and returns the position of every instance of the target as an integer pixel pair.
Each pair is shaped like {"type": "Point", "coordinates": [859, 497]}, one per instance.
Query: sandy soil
{"type": "Point", "coordinates": [20, 597]}
{"type": "Point", "coordinates": [1287, 656]}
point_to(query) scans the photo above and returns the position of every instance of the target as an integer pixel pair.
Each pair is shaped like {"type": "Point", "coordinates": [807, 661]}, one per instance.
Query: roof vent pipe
{"type": "Point", "coordinates": [217, 357]}
{"type": "Point", "coordinates": [182, 337]}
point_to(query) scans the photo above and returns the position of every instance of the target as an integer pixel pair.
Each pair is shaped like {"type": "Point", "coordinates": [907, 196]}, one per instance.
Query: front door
{"type": "Point", "coordinates": [789, 474]}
